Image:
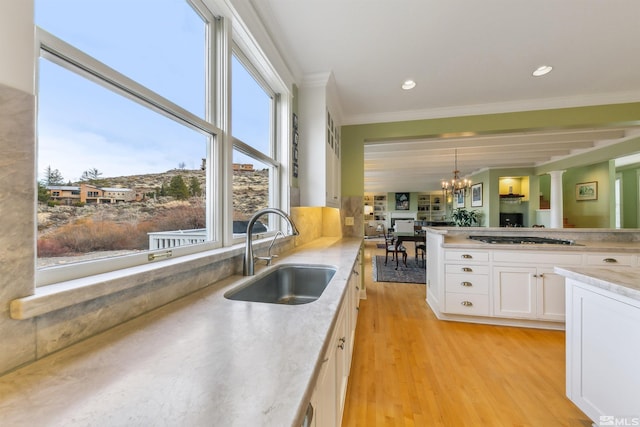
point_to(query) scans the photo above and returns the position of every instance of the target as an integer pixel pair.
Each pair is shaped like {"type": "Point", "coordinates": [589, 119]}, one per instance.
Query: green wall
{"type": "Point", "coordinates": [587, 213]}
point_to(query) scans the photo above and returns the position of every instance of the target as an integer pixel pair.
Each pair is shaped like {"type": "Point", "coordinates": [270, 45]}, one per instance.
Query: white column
{"type": "Point", "coordinates": [556, 199]}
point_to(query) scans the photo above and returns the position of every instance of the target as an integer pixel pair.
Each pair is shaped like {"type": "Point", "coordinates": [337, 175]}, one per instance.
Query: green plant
{"type": "Point", "coordinates": [464, 218]}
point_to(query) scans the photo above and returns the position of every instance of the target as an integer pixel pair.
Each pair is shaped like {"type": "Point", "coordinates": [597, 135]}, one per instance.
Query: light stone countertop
{"type": "Point", "coordinates": [587, 240]}
{"type": "Point", "coordinates": [620, 280]}
{"type": "Point", "coordinates": [202, 360]}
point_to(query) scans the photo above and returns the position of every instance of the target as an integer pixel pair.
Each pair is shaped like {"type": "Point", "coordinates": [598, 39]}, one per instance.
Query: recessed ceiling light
{"type": "Point", "coordinates": [408, 84]}
{"type": "Point", "coordinates": [542, 70]}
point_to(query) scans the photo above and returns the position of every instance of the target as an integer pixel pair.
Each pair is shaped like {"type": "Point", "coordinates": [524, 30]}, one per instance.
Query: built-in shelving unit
{"type": "Point", "coordinates": [431, 207]}
{"type": "Point", "coordinates": [380, 207]}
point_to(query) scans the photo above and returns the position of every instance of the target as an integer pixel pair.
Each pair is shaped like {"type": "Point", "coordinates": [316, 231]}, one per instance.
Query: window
{"type": "Point", "coordinates": [130, 133]}
{"type": "Point", "coordinates": [256, 167]}
{"type": "Point", "coordinates": [123, 106]}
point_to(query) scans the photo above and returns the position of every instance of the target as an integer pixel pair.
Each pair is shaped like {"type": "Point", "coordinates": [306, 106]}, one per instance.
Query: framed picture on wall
{"type": "Point", "coordinates": [587, 191]}
{"type": "Point", "coordinates": [476, 195]}
{"type": "Point", "coordinates": [402, 201]}
{"type": "Point", "coordinates": [460, 199]}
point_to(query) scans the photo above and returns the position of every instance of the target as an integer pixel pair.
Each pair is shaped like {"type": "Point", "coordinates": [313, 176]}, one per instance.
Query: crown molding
{"type": "Point", "coordinates": [496, 108]}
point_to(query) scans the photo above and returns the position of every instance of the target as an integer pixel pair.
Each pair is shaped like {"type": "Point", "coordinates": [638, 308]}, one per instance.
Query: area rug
{"type": "Point", "coordinates": [412, 273]}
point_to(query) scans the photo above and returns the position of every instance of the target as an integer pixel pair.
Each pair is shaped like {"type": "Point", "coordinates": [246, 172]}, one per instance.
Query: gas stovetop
{"type": "Point", "coordinates": [522, 240]}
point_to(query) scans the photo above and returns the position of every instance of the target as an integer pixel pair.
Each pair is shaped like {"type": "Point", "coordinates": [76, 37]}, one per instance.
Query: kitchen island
{"type": "Point", "coordinates": [603, 342]}
{"type": "Point", "coordinates": [203, 360]}
{"type": "Point", "coordinates": [490, 280]}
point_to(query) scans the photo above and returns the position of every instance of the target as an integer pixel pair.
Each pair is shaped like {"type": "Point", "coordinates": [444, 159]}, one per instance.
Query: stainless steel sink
{"type": "Point", "coordinates": [286, 284]}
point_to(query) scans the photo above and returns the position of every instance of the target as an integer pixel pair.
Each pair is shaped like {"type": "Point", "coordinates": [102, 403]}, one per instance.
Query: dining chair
{"type": "Point", "coordinates": [394, 250]}
{"type": "Point", "coordinates": [421, 250]}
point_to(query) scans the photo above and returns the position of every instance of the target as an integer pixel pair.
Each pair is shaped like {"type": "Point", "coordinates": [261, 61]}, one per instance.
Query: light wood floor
{"type": "Point", "coordinates": [410, 369]}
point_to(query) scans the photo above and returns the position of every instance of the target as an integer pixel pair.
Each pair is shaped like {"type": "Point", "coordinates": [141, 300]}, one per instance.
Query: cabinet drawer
{"type": "Point", "coordinates": [469, 256]}
{"type": "Point", "coordinates": [538, 257]}
{"type": "Point", "coordinates": [610, 260]}
{"type": "Point", "coordinates": [466, 269]}
{"type": "Point", "coordinates": [465, 283]}
{"type": "Point", "coordinates": [471, 304]}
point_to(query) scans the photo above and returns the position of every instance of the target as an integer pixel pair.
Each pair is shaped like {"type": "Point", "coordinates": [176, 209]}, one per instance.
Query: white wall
{"type": "Point", "coordinates": [17, 44]}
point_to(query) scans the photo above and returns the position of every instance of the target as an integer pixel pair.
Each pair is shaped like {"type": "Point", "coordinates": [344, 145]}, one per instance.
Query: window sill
{"type": "Point", "coordinates": [61, 295]}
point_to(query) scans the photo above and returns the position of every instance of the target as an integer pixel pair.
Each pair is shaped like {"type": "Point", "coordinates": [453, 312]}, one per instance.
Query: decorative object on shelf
{"type": "Point", "coordinates": [476, 195]}
{"type": "Point", "coordinates": [464, 218]}
{"type": "Point", "coordinates": [456, 185]}
{"type": "Point", "coordinates": [587, 191]}
{"type": "Point", "coordinates": [402, 201]}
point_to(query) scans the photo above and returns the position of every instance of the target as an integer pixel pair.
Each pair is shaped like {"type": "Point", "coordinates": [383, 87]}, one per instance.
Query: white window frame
{"type": "Point", "coordinates": [272, 159]}
{"type": "Point", "coordinates": [222, 36]}
{"type": "Point", "coordinates": [74, 60]}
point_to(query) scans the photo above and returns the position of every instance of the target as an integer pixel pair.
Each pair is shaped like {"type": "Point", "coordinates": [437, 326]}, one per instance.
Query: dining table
{"type": "Point", "coordinates": [416, 236]}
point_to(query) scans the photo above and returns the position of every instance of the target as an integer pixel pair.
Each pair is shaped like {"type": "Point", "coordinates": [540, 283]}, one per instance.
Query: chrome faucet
{"type": "Point", "coordinates": [249, 259]}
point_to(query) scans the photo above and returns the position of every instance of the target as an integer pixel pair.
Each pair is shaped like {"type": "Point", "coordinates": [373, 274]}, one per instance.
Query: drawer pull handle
{"type": "Point", "coordinates": [610, 260]}
{"type": "Point", "coordinates": [466, 256]}
{"type": "Point", "coordinates": [467, 303]}
{"type": "Point", "coordinates": [467, 284]}
{"type": "Point", "coordinates": [467, 269]}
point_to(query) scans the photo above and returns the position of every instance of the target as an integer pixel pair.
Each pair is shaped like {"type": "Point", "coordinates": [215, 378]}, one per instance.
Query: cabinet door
{"type": "Point", "coordinates": [332, 184]}
{"type": "Point", "coordinates": [603, 343]}
{"type": "Point", "coordinates": [550, 295]}
{"type": "Point", "coordinates": [324, 400]}
{"type": "Point", "coordinates": [354, 305]}
{"type": "Point", "coordinates": [514, 292]}
{"type": "Point", "coordinates": [342, 357]}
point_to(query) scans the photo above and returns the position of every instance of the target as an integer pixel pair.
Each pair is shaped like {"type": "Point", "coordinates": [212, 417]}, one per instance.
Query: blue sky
{"type": "Point", "coordinates": [159, 43]}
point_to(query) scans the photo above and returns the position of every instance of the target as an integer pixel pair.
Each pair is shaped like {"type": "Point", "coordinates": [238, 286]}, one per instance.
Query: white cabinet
{"type": "Point", "coordinates": [331, 384]}
{"type": "Point", "coordinates": [610, 260]}
{"type": "Point", "coordinates": [328, 396]}
{"type": "Point", "coordinates": [320, 145]}
{"type": "Point", "coordinates": [434, 270]}
{"type": "Point", "coordinates": [466, 282]}
{"type": "Point", "coordinates": [550, 295]}
{"type": "Point", "coordinates": [491, 284]}
{"type": "Point", "coordinates": [514, 292]}
{"type": "Point", "coordinates": [603, 343]}
{"type": "Point", "coordinates": [528, 293]}
{"type": "Point", "coordinates": [525, 286]}
{"type": "Point", "coordinates": [355, 288]}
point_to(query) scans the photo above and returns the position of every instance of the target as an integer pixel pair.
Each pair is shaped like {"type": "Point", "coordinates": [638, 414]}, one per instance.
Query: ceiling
{"type": "Point", "coordinates": [467, 57]}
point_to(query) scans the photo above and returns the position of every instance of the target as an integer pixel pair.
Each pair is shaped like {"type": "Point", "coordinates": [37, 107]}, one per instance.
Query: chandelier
{"type": "Point", "coordinates": [456, 185]}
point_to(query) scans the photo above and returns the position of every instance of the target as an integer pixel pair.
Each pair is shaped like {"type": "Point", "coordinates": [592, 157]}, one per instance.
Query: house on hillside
{"type": "Point", "coordinates": [243, 167]}
{"type": "Point", "coordinates": [87, 193]}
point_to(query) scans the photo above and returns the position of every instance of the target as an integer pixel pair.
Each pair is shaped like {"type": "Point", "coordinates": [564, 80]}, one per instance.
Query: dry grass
{"type": "Point", "coordinates": [95, 234]}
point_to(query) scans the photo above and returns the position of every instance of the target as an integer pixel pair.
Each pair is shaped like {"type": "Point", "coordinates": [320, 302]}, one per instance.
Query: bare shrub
{"type": "Point", "coordinates": [102, 233]}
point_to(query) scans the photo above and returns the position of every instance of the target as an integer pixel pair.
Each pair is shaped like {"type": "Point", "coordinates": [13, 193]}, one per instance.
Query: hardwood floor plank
{"type": "Point", "coordinates": [411, 369]}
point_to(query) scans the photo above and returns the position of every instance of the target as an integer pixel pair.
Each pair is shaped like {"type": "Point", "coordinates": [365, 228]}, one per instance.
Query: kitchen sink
{"type": "Point", "coordinates": [290, 284]}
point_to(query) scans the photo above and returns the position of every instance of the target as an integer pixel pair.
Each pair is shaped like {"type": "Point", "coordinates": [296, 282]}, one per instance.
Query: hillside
{"type": "Point", "coordinates": [250, 189]}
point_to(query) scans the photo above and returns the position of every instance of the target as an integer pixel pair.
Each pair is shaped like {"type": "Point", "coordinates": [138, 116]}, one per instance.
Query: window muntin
{"type": "Point", "coordinates": [159, 44]}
